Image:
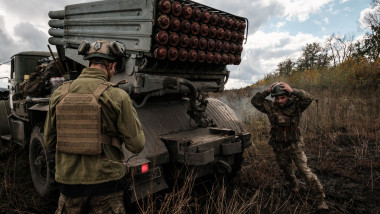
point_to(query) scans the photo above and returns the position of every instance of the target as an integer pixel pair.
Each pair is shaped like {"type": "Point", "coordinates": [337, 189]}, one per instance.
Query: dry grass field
{"type": "Point", "coordinates": [342, 144]}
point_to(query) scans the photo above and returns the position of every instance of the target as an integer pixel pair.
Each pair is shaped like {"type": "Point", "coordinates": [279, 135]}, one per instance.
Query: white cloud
{"type": "Point", "coordinates": [364, 14]}
{"type": "Point", "coordinates": [264, 51]}
{"type": "Point", "coordinates": [280, 24]}
{"type": "Point", "coordinates": [4, 72]}
{"type": "Point", "coordinates": [23, 26]}
{"type": "Point", "coordinates": [237, 83]}
{"type": "Point", "coordinates": [322, 23]}
{"type": "Point", "coordinates": [258, 12]}
{"type": "Point", "coordinates": [302, 9]}
{"type": "Point", "coordinates": [32, 11]}
{"type": "Point", "coordinates": [326, 20]}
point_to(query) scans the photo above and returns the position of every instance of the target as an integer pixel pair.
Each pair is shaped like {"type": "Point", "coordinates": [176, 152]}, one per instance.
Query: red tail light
{"type": "Point", "coordinates": [144, 168]}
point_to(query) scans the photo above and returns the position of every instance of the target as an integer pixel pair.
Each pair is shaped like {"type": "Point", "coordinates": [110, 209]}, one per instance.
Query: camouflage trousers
{"type": "Point", "coordinates": [108, 203]}
{"type": "Point", "coordinates": [285, 160]}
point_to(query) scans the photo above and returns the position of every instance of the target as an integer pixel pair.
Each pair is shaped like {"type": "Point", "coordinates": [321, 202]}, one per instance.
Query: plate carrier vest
{"type": "Point", "coordinates": [285, 127]}
{"type": "Point", "coordinates": [79, 122]}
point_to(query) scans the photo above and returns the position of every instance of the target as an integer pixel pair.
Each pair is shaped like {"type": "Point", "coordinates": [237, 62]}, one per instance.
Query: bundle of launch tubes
{"type": "Point", "coordinates": [193, 33]}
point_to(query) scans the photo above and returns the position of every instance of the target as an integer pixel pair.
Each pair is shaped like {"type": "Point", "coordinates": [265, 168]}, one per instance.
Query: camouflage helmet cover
{"type": "Point", "coordinates": [277, 90]}
{"type": "Point", "coordinates": [100, 49]}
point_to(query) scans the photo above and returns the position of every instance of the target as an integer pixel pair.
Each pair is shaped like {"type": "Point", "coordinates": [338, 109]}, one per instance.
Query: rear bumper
{"type": "Point", "coordinates": [203, 146]}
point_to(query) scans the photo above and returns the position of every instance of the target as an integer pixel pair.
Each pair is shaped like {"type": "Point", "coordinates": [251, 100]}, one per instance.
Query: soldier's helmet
{"type": "Point", "coordinates": [277, 90]}
{"type": "Point", "coordinates": [101, 49]}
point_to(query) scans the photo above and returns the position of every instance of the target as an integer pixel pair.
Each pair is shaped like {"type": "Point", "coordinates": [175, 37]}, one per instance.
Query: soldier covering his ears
{"type": "Point", "coordinates": [89, 119]}
{"type": "Point", "coordinates": [284, 114]}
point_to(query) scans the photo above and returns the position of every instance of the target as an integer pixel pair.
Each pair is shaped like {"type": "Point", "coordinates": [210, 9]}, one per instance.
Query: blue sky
{"type": "Point", "coordinates": [278, 29]}
{"type": "Point", "coordinates": [336, 17]}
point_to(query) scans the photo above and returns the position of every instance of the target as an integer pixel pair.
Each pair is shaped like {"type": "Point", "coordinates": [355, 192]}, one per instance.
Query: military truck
{"type": "Point", "coordinates": [176, 52]}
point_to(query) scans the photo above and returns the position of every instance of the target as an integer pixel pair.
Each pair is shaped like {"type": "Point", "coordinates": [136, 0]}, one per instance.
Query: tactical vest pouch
{"type": "Point", "coordinates": [79, 122]}
{"type": "Point", "coordinates": [285, 134]}
{"type": "Point", "coordinates": [284, 130]}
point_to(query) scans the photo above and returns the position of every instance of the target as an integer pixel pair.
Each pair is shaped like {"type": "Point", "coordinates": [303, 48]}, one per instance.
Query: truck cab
{"type": "Point", "coordinates": [20, 109]}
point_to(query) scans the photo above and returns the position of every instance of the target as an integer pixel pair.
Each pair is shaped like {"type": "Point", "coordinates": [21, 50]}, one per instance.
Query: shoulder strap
{"type": "Point", "coordinates": [101, 88]}
{"type": "Point", "coordinates": [65, 89]}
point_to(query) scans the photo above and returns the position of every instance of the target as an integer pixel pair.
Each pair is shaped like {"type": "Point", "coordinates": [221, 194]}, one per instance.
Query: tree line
{"type": "Point", "coordinates": [338, 48]}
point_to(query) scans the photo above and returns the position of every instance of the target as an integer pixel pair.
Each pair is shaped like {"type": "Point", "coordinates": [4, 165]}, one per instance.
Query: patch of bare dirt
{"type": "Point", "coordinates": [348, 167]}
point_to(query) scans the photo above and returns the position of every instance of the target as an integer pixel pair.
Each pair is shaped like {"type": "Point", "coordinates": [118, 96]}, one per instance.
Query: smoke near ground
{"type": "Point", "coordinates": [240, 101]}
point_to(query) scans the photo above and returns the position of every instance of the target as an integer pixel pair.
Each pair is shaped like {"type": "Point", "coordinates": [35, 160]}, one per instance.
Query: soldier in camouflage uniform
{"type": "Point", "coordinates": [284, 114]}
{"type": "Point", "coordinates": [92, 176]}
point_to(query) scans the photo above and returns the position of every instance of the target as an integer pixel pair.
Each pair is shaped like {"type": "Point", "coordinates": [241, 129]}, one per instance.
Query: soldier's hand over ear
{"type": "Point", "coordinates": [286, 87]}
{"type": "Point", "coordinates": [270, 87]}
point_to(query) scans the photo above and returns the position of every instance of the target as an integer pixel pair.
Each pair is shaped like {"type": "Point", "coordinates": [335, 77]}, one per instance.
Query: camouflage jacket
{"type": "Point", "coordinates": [285, 133]}
{"type": "Point", "coordinates": [119, 119]}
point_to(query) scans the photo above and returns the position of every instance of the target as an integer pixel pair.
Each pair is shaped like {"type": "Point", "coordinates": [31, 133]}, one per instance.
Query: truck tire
{"type": "Point", "coordinates": [224, 116]}
{"type": "Point", "coordinates": [41, 165]}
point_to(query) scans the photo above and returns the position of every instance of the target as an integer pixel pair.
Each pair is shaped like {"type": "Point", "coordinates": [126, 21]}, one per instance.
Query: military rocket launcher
{"type": "Point", "coordinates": [175, 52]}
{"type": "Point", "coordinates": [163, 39]}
